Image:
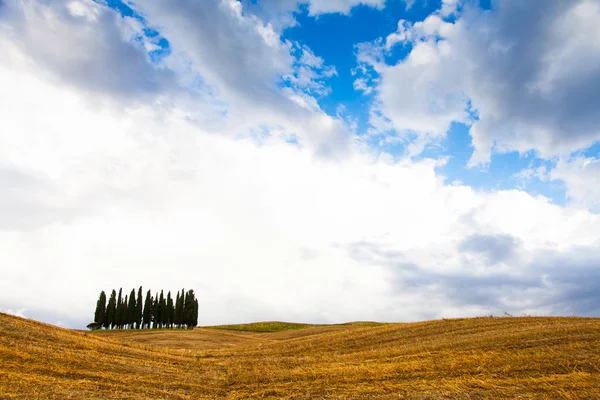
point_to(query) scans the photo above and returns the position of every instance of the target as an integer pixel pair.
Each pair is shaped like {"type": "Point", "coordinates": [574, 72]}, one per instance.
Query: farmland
{"type": "Point", "coordinates": [476, 358]}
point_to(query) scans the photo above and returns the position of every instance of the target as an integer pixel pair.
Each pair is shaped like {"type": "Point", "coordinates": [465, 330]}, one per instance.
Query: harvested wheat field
{"type": "Point", "coordinates": [478, 358]}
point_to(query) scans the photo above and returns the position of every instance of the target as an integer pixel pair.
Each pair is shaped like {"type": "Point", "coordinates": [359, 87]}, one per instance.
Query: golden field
{"type": "Point", "coordinates": [477, 358]}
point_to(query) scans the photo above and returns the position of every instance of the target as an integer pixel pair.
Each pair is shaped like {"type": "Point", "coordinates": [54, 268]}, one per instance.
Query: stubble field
{"type": "Point", "coordinates": [477, 358]}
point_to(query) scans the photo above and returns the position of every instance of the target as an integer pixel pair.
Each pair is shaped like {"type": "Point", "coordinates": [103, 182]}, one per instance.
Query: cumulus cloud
{"type": "Point", "coordinates": [315, 7]}
{"type": "Point", "coordinates": [580, 176]}
{"type": "Point", "coordinates": [242, 60]}
{"type": "Point", "coordinates": [107, 54]}
{"type": "Point", "coordinates": [525, 77]}
{"type": "Point", "coordinates": [340, 6]}
{"type": "Point", "coordinates": [494, 248]}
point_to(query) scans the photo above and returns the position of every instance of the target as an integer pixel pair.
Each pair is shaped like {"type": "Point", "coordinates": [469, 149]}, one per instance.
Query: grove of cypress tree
{"type": "Point", "coordinates": [111, 310]}
{"type": "Point", "coordinates": [100, 313]}
{"type": "Point", "coordinates": [139, 309]}
{"type": "Point", "coordinates": [155, 312]}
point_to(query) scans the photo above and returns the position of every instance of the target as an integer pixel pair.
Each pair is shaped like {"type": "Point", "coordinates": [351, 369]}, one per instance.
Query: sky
{"type": "Point", "coordinates": [313, 161]}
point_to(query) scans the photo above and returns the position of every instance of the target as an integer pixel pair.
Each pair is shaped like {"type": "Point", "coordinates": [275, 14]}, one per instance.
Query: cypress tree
{"type": "Point", "coordinates": [119, 312]}
{"type": "Point", "coordinates": [147, 313]}
{"type": "Point", "coordinates": [170, 311]}
{"type": "Point", "coordinates": [188, 308]}
{"type": "Point", "coordinates": [132, 310]}
{"type": "Point", "coordinates": [164, 312]}
{"type": "Point", "coordinates": [181, 307]}
{"type": "Point", "coordinates": [176, 312]}
{"type": "Point", "coordinates": [155, 313]}
{"type": "Point", "coordinates": [139, 309]}
{"type": "Point", "coordinates": [125, 313]}
{"type": "Point", "coordinates": [195, 314]}
{"type": "Point", "coordinates": [111, 310]}
{"type": "Point", "coordinates": [100, 313]}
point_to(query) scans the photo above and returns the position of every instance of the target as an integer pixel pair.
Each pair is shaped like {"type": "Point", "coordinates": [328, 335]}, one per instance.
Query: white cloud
{"type": "Point", "coordinates": [580, 176]}
{"type": "Point", "coordinates": [317, 7]}
{"type": "Point", "coordinates": [530, 73]}
{"type": "Point", "coordinates": [116, 66]}
{"type": "Point", "coordinates": [242, 60]}
{"type": "Point", "coordinates": [419, 95]}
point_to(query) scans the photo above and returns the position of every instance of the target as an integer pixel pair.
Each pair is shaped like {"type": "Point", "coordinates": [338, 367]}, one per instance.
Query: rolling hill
{"type": "Point", "coordinates": [477, 358]}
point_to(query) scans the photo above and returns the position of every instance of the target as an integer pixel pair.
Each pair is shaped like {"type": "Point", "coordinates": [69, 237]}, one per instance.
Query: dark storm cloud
{"type": "Point", "coordinates": [560, 283]}
{"type": "Point", "coordinates": [494, 248]}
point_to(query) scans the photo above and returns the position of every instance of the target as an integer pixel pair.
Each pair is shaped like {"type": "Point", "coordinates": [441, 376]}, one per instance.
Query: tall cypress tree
{"type": "Point", "coordinates": [147, 313]}
{"type": "Point", "coordinates": [195, 314]}
{"type": "Point", "coordinates": [170, 310]}
{"type": "Point", "coordinates": [181, 307]}
{"type": "Point", "coordinates": [125, 313]}
{"type": "Point", "coordinates": [111, 310]}
{"type": "Point", "coordinates": [155, 313]}
{"type": "Point", "coordinates": [100, 313]}
{"type": "Point", "coordinates": [139, 309]}
{"type": "Point", "coordinates": [176, 312]}
{"type": "Point", "coordinates": [187, 308]}
{"type": "Point", "coordinates": [164, 313]}
{"type": "Point", "coordinates": [132, 310]}
{"type": "Point", "coordinates": [119, 312]}
{"type": "Point", "coordinates": [190, 310]}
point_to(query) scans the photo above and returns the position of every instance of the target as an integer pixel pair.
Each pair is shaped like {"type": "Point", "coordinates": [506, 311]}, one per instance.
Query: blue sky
{"type": "Point", "coordinates": [306, 160]}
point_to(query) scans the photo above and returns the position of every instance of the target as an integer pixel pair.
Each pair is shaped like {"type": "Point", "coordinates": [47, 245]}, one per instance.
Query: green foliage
{"type": "Point", "coordinates": [190, 310]}
{"type": "Point", "coordinates": [271, 326]}
{"type": "Point", "coordinates": [156, 312]}
{"type": "Point", "coordinates": [277, 326]}
{"type": "Point", "coordinates": [139, 309]}
{"type": "Point", "coordinates": [111, 311]}
{"type": "Point", "coordinates": [100, 313]}
{"type": "Point", "coordinates": [147, 313]}
{"type": "Point", "coordinates": [119, 311]}
{"type": "Point", "coordinates": [170, 310]}
{"type": "Point", "coordinates": [179, 310]}
{"type": "Point", "coordinates": [162, 305]}
{"type": "Point", "coordinates": [131, 310]}
{"type": "Point", "coordinates": [92, 326]}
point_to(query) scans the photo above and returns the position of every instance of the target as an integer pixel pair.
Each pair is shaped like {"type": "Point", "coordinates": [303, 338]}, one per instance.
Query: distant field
{"type": "Point", "coordinates": [480, 358]}
{"type": "Point", "coordinates": [277, 326]}
{"type": "Point", "coordinates": [274, 326]}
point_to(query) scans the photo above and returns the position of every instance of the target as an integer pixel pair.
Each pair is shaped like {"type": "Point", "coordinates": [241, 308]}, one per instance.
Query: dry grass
{"type": "Point", "coordinates": [270, 326]}
{"type": "Point", "coordinates": [452, 359]}
{"type": "Point", "coordinates": [278, 326]}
